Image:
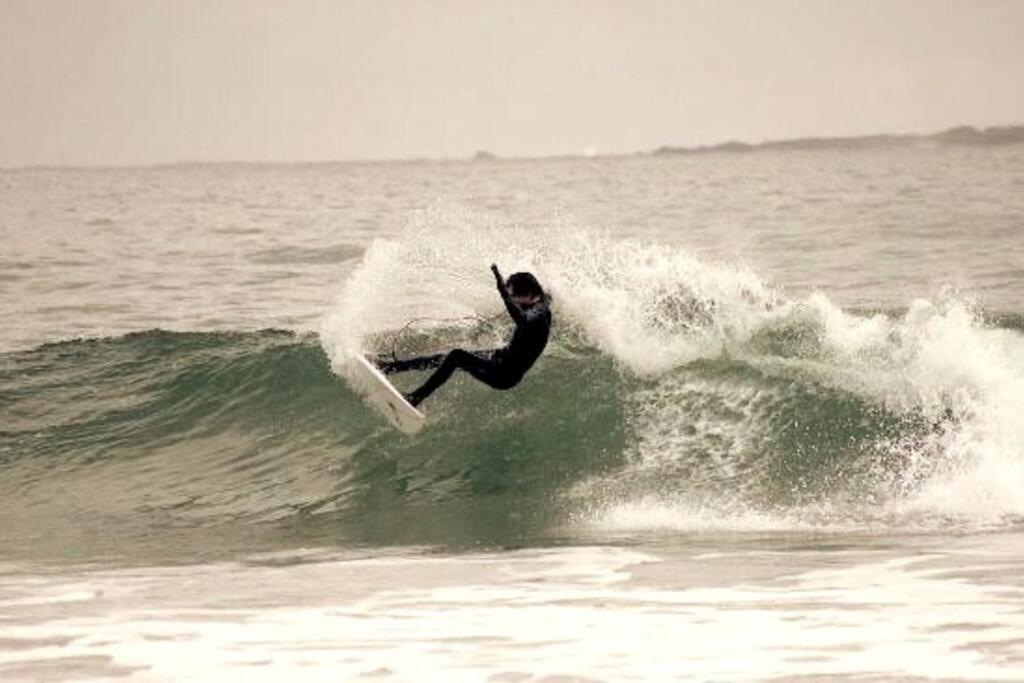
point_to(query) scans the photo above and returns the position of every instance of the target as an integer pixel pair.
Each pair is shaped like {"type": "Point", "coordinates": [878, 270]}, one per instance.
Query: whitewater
{"type": "Point", "coordinates": [776, 434]}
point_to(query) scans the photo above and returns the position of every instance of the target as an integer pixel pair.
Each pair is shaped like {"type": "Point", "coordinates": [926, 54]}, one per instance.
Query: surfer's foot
{"type": "Point", "coordinates": [413, 399]}
{"type": "Point", "coordinates": [384, 366]}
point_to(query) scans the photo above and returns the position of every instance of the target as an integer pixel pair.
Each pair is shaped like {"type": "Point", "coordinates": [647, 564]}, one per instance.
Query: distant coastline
{"type": "Point", "coordinates": [960, 136]}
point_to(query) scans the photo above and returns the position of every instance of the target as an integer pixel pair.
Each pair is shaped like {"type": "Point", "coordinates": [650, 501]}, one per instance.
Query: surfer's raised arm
{"type": "Point", "coordinates": [513, 308]}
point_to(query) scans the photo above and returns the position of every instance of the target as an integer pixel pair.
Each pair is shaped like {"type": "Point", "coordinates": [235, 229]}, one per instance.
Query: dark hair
{"type": "Point", "coordinates": [524, 284]}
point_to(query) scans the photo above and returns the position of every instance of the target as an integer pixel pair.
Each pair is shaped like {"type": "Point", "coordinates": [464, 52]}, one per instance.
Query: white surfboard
{"type": "Point", "coordinates": [382, 395]}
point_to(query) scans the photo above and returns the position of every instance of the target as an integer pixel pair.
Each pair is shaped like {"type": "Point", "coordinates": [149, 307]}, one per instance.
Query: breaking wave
{"type": "Point", "coordinates": [676, 394]}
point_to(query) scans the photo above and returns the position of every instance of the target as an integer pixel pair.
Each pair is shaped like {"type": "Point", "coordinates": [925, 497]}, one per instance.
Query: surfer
{"type": "Point", "coordinates": [502, 368]}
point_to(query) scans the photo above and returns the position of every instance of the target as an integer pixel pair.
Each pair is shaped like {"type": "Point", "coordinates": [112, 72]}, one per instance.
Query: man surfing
{"type": "Point", "coordinates": [530, 309]}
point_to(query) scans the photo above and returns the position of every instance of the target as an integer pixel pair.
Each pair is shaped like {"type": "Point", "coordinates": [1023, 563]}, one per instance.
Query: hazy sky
{"type": "Point", "coordinates": [140, 81]}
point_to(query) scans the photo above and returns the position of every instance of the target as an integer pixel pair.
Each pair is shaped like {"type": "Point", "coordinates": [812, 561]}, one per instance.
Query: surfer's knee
{"type": "Point", "coordinates": [506, 383]}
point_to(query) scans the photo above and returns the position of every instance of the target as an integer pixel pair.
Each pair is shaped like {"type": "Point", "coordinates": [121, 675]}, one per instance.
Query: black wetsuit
{"type": "Point", "coordinates": [499, 368]}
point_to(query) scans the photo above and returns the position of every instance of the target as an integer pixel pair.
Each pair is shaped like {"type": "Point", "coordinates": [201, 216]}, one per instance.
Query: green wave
{"type": "Point", "coordinates": [158, 435]}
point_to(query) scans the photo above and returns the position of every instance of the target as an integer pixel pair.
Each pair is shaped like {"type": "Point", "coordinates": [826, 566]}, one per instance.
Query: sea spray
{"type": "Point", "coordinates": [649, 306]}
{"type": "Point", "coordinates": [906, 419]}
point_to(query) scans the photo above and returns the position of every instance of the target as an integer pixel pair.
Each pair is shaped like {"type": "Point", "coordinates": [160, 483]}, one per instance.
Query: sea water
{"type": "Point", "coordinates": [776, 434]}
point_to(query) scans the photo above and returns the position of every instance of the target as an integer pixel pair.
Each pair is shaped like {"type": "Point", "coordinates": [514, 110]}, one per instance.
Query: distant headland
{"type": "Point", "coordinates": [960, 136]}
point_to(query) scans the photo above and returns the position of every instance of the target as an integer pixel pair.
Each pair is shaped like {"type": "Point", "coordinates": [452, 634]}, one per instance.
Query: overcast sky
{"type": "Point", "coordinates": [143, 81]}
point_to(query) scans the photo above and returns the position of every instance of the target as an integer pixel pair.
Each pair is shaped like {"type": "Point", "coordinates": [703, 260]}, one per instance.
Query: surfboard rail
{"type": "Point", "coordinates": [372, 384]}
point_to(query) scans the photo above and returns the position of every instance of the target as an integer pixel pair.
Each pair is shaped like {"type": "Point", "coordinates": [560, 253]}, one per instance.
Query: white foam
{"type": "Point", "coordinates": [722, 612]}
{"type": "Point", "coordinates": [941, 360]}
{"type": "Point", "coordinates": [654, 513]}
{"type": "Point", "coordinates": [937, 363]}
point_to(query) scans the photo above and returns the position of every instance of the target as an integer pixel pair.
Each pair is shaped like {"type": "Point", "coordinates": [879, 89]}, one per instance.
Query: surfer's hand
{"type": "Point", "coordinates": [497, 274]}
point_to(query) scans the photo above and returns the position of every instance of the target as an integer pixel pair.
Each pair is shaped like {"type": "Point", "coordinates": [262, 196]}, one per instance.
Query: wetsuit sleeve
{"type": "Point", "coordinates": [513, 310]}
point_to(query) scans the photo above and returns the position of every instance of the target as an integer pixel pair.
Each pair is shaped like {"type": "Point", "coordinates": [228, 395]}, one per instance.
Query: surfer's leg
{"type": "Point", "coordinates": [390, 367]}
{"type": "Point", "coordinates": [479, 366]}
{"type": "Point", "coordinates": [483, 366]}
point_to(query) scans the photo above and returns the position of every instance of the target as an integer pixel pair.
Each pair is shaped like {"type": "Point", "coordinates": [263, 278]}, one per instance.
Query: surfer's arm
{"type": "Point", "coordinates": [513, 310]}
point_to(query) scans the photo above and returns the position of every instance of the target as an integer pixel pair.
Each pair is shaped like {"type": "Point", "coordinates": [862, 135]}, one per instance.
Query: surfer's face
{"type": "Point", "coordinates": [524, 301]}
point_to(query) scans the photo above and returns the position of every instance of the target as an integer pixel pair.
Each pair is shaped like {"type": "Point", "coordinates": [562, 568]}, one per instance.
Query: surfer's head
{"type": "Point", "coordinates": [524, 288]}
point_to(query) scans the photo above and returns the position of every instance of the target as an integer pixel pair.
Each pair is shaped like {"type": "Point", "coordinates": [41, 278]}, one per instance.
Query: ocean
{"type": "Point", "coordinates": [776, 435]}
